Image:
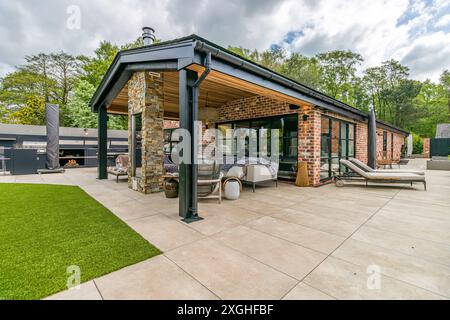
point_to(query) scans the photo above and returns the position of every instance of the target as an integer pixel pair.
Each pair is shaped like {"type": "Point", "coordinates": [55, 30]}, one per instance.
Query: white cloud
{"type": "Point", "coordinates": [368, 27]}
{"type": "Point", "coordinates": [443, 21]}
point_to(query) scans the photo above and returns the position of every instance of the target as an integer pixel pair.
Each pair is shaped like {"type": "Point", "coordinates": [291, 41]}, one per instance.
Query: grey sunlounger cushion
{"type": "Point", "coordinates": [368, 169]}
{"type": "Point", "coordinates": [382, 176]}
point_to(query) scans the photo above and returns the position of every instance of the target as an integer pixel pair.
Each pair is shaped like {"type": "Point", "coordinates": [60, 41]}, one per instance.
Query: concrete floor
{"type": "Point", "coordinates": [281, 243]}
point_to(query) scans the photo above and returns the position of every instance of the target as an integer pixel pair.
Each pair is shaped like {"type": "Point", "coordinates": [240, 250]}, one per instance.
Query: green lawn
{"type": "Point", "coordinates": [46, 228]}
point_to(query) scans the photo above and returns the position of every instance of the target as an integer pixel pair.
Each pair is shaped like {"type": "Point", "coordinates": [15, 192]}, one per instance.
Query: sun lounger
{"type": "Point", "coordinates": [378, 177]}
{"type": "Point", "coordinates": [366, 168]}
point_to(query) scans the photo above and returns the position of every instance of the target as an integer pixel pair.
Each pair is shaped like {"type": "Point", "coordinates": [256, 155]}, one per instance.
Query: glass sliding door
{"type": "Point", "coordinates": [337, 142]}
{"type": "Point", "coordinates": [288, 140]}
{"type": "Point", "coordinates": [325, 150]}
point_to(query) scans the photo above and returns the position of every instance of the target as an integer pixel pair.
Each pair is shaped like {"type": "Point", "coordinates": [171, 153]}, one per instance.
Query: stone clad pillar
{"type": "Point", "coordinates": [145, 95]}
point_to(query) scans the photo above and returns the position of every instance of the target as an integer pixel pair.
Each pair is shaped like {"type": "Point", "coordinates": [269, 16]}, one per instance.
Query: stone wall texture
{"type": "Point", "coordinates": [145, 95]}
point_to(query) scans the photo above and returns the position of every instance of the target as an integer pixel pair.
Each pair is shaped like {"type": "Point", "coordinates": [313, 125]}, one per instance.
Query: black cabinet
{"type": "Point", "coordinates": [24, 161]}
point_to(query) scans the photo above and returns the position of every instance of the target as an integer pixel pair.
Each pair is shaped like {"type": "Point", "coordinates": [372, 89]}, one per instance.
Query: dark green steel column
{"type": "Point", "coordinates": [102, 143]}
{"type": "Point", "coordinates": [187, 187]}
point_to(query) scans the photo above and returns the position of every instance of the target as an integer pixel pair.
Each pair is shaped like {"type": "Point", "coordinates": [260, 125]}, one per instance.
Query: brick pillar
{"type": "Point", "coordinates": [145, 94]}
{"type": "Point", "coordinates": [362, 141]}
{"type": "Point", "coordinates": [309, 142]}
{"type": "Point", "coordinates": [426, 148]}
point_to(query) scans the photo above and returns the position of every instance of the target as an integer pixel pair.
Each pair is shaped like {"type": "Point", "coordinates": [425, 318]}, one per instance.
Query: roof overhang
{"type": "Point", "coordinates": [190, 52]}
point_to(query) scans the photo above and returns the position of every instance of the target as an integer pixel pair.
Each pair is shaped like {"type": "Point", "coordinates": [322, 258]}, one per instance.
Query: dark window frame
{"type": "Point", "coordinates": [329, 158]}
{"type": "Point", "coordinates": [284, 138]}
{"type": "Point", "coordinates": [392, 145]}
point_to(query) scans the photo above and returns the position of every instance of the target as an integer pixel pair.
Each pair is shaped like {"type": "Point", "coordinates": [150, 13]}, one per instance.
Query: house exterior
{"type": "Point", "coordinates": [191, 79]}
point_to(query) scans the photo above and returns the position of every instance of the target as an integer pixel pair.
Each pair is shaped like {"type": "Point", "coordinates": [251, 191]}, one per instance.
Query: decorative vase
{"type": "Point", "coordinates": [171, 188]}
{"type": "Point", "coordinates": [232, 190]}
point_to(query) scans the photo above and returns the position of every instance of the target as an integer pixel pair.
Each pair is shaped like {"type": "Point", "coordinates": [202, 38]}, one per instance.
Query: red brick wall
{"type": "Point", "coordinates": [309, 130]}
{"type": "Point", "coordinates": [390, 154]}
{"type": "Point", "coordinates": [309, 134]}
{"type": "Point", "coordinates": [362, 141]}
{"type": "Point", "coordinates": [171, 124]}
{"type": "Point", "coordinates": [253, 107]}
{"type": "Point", "coordinates": [426, 148]}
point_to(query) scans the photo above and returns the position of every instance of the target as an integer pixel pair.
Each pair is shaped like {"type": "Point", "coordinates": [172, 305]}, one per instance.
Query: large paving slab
{"type": "Point", "coordinates": [305, 292]}
{"type": "Point", "coordinates": [343, 280]}
{"type": "Point", "coordinates": [229, 273]}
{"type": "Point", "coordinates": [310, 238]}
{"type": "Point", "coordinates": [415, 271]}
{"type": "Point", "coordinates": [287, 257]}
{"type": "Point", "coordinates": [156, 278]}
{"type": "Point", "coordinates": [280, 243]}
{"type": "Point", "coordinates": [164, 232]}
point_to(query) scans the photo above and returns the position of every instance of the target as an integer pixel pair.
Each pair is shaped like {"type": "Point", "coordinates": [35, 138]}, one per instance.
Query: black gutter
{"type": "Point", "coordinates": [125, 58]}
{"type": "Point", "coordinates": [203, 45]}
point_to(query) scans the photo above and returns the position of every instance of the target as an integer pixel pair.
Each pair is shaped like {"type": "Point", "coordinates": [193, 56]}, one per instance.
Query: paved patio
{"type": "Point", "coordinates": [281, 243]}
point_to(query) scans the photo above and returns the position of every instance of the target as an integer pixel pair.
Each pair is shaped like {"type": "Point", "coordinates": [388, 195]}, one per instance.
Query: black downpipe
{"type": "Point", "coordinates": [194, 140]}
{"type": "Point", "coordinates": [372, 143]}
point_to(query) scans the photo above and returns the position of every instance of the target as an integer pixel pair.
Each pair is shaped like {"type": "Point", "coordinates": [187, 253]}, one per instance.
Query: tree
{"type": "Point", "coordinates": [338, 73]}
{"type": "Point", "coordinates": [302, 69]}
{"type": "Point", "coordinates": [39, 65]}
{"type": "Point", "coordinates": [17, 87]}
{"type": "Point", "coordinates": [94, 68]}
{"type": "Point", "coordinates": [431, 103]}
{"type": "Point", "coordinates": [445, 81]}
{"type": "Point", "coordinates": [382, 84]}
{"type": "Point", "coordinates": [79, 113]}
{"type": "Point", "coordinates": [403, 111]}
{"type": "Point", "coordinates": [65, 69]}
{"type": "Point", "coordinates": [32, 114]}
{"type": "Point", "coordinates": [272, 58]}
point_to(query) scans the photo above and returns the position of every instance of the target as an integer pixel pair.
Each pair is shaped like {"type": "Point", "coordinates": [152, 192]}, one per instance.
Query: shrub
{"type": "Point", "coordinates": [417, 144]}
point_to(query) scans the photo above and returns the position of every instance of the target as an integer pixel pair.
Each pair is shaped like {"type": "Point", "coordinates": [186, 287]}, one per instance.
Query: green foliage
{"type": "Point", "coordinates": [272, 58]}
{"type": "Point", "coordinates": [302, 69]}
{"type": "Point", "coordinates": [80, 114]}
{"type": "Point", "coordinates": [417, 144]}
{"type": "Point", "coordinates": [18, 86]}
{"type": "Point", "coordinates": [431, 104]}
{"type": "Point", "coordinates": [338, 74]}
{"type": "Point", "coordinates": [445, 82]}
{"type": "Point", "coordinates": [32, 114]}
{"type": "Point", "coordinates": [71, 81]}
{"type": "Point", "coordinates": [95, 67]}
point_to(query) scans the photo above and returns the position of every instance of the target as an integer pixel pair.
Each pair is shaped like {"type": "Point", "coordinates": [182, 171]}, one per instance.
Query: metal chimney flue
{"type": "Point", "coordinates": [148, 35]}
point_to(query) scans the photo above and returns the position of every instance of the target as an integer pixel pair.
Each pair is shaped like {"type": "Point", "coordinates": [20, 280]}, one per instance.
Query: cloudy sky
{"type": "Point", "coordinates": [415, 32]}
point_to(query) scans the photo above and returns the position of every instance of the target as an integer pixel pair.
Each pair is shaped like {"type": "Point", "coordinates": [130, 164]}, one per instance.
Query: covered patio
{"type": "Point", "coordinates": [189, 80]}
{"type": "Point", "coordinates": [284, 243]}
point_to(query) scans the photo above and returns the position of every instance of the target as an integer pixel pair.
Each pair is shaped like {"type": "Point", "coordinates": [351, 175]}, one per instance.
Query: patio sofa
{"type": "Point", "coordinates": [378, 177]}
{"type": "Point", "coordinates": [253, 170]}
{"type": "Point", "coordinates": [248, 169]}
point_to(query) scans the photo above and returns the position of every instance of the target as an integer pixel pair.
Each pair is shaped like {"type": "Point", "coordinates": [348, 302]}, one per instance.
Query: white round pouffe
{"type": "Point", "coordinates": [232, 190]}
